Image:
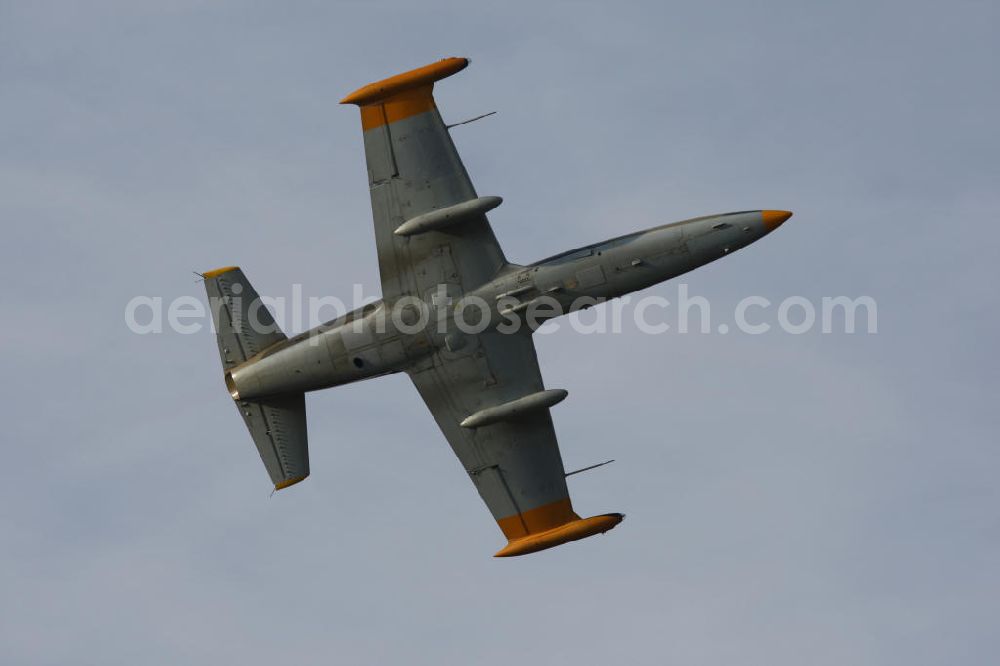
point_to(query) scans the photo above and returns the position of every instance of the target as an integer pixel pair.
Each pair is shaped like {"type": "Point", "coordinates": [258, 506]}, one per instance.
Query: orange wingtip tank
{"type": "Point", "coordinates": [571, 531]}
{"type": "Point", "coordinates": [415, 78]}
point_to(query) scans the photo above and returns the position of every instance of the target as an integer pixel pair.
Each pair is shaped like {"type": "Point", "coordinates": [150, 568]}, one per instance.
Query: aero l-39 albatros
{"type": "Point", "coordinates": [475, 367]}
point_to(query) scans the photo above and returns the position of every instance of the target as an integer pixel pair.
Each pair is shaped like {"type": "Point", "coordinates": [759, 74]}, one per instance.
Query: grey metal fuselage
{"type": "Point", "coordinates": [382, 338]}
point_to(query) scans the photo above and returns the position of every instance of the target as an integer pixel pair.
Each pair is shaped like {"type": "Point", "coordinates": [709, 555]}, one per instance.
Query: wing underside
{"type": "Point", "coordinates": [431, 230]}
{"type": "Point", "coordinates": [514, 462]}
{"type": "Point", "coordinates": [414, 169]}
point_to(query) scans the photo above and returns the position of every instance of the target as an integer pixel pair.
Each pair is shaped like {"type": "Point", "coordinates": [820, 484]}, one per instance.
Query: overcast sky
{"type": "Point", "coordinates": [820, 499]}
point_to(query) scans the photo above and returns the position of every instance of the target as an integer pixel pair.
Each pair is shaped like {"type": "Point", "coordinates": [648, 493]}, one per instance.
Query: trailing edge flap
{"type": "Point", "coordinates": [278, 428]}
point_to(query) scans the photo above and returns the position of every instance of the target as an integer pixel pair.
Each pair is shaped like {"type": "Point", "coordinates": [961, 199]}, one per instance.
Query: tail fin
{"type": "Point", "coordinates": [244, 328]}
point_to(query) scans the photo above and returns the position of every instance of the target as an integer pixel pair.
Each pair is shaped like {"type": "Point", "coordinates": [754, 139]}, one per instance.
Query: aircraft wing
{"type": "Point", "coordinates": [430, 226]}
{"type": "Point", "coordinates": [489, 402]}
{"type": "Point", "coordinates": [486, 394]}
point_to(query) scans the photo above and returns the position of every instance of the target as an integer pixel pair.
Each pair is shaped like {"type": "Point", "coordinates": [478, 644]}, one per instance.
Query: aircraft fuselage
{"type": "Point", "coordinates": [383, 338]}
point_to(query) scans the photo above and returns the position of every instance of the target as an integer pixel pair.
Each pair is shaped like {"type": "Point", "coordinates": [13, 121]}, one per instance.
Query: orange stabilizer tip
{"type": "Point", "coordinates": [415, 78]}
{"type": "Point", "coordinates": [571, 531]}
{"type": "Point", "coordinates": [281, 485]}
{"type": "Point", "coordinates": [219, 271]}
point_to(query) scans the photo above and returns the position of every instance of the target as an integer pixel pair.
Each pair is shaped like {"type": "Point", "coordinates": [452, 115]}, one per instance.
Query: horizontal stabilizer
{"type": "Point", "coordinates": [244, 328]}
{"type": "Point", "coordinates": [278, 428]}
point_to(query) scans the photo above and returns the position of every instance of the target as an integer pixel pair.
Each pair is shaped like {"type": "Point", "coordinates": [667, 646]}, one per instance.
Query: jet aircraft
{"type": "Point", "coordinates": [436, 252]}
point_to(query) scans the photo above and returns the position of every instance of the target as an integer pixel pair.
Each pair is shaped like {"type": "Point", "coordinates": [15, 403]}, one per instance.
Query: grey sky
{"type": "Point", "coordinates": [821, 499]}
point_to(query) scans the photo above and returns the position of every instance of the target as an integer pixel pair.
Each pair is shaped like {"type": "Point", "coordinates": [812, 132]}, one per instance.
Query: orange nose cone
{"type": "Point", "coordinates": [774, 218]}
